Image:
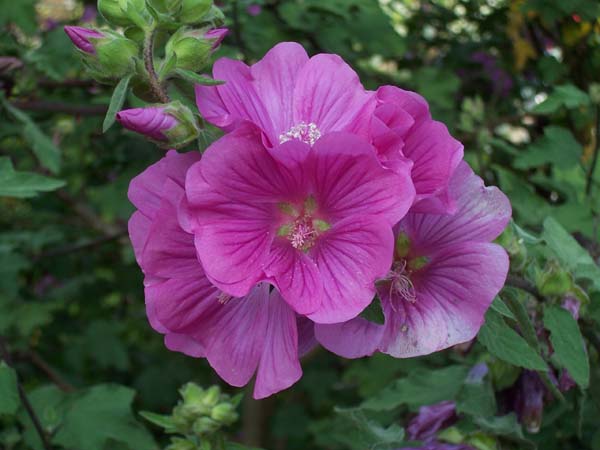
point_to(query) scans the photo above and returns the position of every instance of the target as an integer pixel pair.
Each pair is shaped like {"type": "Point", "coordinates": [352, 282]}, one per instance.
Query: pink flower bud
{"type": "Point", "coordinates": [81, 38]}
{"type": "Point", "coordinates": [216, 35]}
{"type": "Point", "coordinates": [151, 121]}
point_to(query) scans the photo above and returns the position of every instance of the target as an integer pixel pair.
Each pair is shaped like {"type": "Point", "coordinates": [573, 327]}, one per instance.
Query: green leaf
{"type": "Point", "coordinates": [500, 307]}
{"type": "Point", "coordinates": [160, 420]}
{"type": "Point", "coordinates": [198, 79]}
{"type": "Point", "coordinates": [504, 343]}
{"type": "Point", "coordinates": [9, 391]}
{"type": "Point", "coordinates": [367, 433]}
{"type": "Point", "coordinates": [571, 255]}
{"type": "Point", "coordinates": [558, 146]}
{"type": "Point", "coordinates": [507, 426]}
{"type": "Point", "coordinates": [24, 184]}
{"type": "Point", "coordinates": [100, 415]}
{"type": "Point", "coordinates": [116, 102]}
{"type": "Point", "coordinates": [568, 344]}
{"type": "Point", "coordinates": [566, 95]}
{"type": "Point", "coordinates": [477, 398]}
{"type": "Point", "coordinates": [44, 149]}
{"type": "Point", "coordinates": [421, 387]}
{"type": "Point", "coordinates": [48, 402]}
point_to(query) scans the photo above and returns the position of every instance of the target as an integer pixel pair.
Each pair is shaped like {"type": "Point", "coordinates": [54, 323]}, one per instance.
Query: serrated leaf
{"type": "Point", "coordinates": [24, 184]}
{"type": "Point", "coordinates": [198, 79]}
{"type": "Point", "coordinates": [505, 343]}
{"type": "Point", "coordinates": [116, 102]}
{"type": "Point", "coordinates": [100, 415]}
{"type": "Point", "coordinates": [44, 149]}
{"type": "Point", "coordinates": [421, 387]}
{"type": "Point", "coordinates": [568, 344]}
{"type": "Point", "coordinates": [9, 392]}
{"type": "Point", "coordinates": [558, 146]}
{"type": "Point", "coordinates": [568, 251]}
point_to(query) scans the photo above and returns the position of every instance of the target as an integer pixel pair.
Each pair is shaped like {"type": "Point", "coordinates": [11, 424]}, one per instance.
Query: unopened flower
{"type": "Point", "coordinates": [83, 38]}
{"type": "Point", "coordinates": [314, 221]}
{"type": "Point", "coordinates": [171, 125]}
{"type": "Point", "coordinates": [216, 36]}
{"type": "Point", "coordinates": [239, 336]}
{"type": "Point", "coordinates": [445, 274]}
{"type": "Point", "coordinates": [193, 48]}
{"type": "Point", "coordinates": [430, 420]}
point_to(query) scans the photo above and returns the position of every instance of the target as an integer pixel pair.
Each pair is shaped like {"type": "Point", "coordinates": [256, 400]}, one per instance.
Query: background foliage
{"type": "Point", "coordinates": [516, 81]}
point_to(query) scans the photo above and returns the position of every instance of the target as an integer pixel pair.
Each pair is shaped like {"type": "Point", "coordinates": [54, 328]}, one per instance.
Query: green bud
{"type": "Point", "coordinates": [402, 246]}
{"type": "Point", "coordinates": [184, 132]}
{"type": "Point", "coordinates": [124, 12]}
{"type": "Point", "coordinates": [194, 11]}
{"type": "Point", "coordinates": [211, 398]}
{"type": "Point", "coordinates": [554, 281]}
{"type": "Point", "coordinates": [191, 393]}
{"type": "Point", "coordinates": [205, 425]}
{"type": "Point", "coordinates": [224, 413]}
{"type": "Point", "coordinates": [115, 55]}
{"type": "Point", "coordinates": [191, 48]}
{"type": "Point", "coordinates": [181, 444]}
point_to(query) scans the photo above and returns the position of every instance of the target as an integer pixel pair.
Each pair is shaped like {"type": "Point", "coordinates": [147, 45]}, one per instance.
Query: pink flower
{"type": "Point", "coordinates": [444, 276]}
{"type": "Point", "coordinates": [402, 127]}
{"type": "Point", "coordinates": [288, 96]}
{"type": "Point", "coordinates": [81, 38]}
{"type": "Point", "coordinates": [151, 121]}
{"type": "Point", "coordinates": [314, 221]}
{"type": "Point", "coordinates": [239, 336]}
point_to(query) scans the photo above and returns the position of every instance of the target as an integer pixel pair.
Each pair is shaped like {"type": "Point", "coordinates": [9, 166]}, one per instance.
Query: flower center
{"type": "Point", "coordinates": [301, 228]}
{"type": "Point", "coordinates": [400, 282]}
{"type": "Point", "coordinates": [303, 233]}
{"type": "Point", "coordinates": [304, 132]}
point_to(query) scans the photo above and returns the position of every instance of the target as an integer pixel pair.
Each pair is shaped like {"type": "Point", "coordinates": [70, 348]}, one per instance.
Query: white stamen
{"type": "Point", "coordinates": [304, 132]}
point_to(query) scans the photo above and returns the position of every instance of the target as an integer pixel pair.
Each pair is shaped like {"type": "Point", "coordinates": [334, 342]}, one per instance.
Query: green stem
{"type": "Point", "coordinates": [155, 85]}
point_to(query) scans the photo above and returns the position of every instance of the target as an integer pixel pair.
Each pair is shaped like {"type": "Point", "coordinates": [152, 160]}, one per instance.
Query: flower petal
{"type": "Point", "coordinates": [350, 257]}
{"type": "Point", "coordinates": [279, 366]}
{"type": "Point", "coordinates": [329, 94]}
{"type": "Point", "coordinates": [274, 78]}
{"type": "Point", "coordinates": [481, 215]}
{"type": "Point", "coordinates": [184, 344]}
{"type": "Point", "coordinates": [138, 227]}
{"type": "Point", "coordinates": [238, 336]}
{"type": "Point", "coordinates": [212, 108]}
{"type": "Point", "coordinates": [240, 167]}
{"type": "Point", "coordinates": [296, 276]}
{"type": "Point", "coordinates": [353, 339]}
{"type": "Point", "coordinates": [453, 292]}
{"type": "Point", "coordinates": [349, 181]}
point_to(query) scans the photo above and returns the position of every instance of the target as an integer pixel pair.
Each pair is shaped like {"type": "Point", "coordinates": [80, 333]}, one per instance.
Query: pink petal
{"type": "Point", "coordinates": [353, 339]}
{"type": "Point", "coordinates": [274, 79]}
{"type": "Point", "coordinates": [184, 344]}
{"type": "Point", "coordinates": [238, 336]}
{"type": "Point", "coordinates": [279, 367]}
{"type": "Point", "coordinates": [240, 167]}
{"type": "Point", "coordinates": [329, 93]}
{"type": "Point", "coordinates": [409, 101]}
{"type": "Point", "coordinates": [212, 108]}
{"type": "Point", "coordinates": [239, 96]}
{"type": "Point", "coordinates": [138, 226]}
{"type": "Point", "coordinates": [306, 335]}
{"type": "Point", "coordinates": [145, 190]}
{"type": "Point", "coordinates": [453, 291]}
{"type": "Point", "coordinates": [481, 215]}
{"type": "Point", "coordinates": [296, 276]}
{"type": "Point", "coordinates": [350, 257]}
{"type": "Point", "coordinates": [350, 181]}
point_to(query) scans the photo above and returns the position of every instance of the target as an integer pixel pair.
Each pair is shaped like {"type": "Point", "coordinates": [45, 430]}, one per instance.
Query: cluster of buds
{"type": "Point", "coordinates": [198, 417]}
{"type": "Point", "coordinates": [191, 34]}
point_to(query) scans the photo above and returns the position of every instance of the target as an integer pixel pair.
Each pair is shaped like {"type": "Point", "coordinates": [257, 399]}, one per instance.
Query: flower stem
{"type": "Point", "coordinates": [157, 88]}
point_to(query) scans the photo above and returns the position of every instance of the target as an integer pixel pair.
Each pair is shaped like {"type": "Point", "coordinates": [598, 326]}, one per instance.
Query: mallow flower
{"type": "Point", "coordinates": [288, 96]}
{"type": "Point", "coordinates": [291, 96]}
{"type": "Point", "coordinates": [239, 336]}
{"type": "Point", "coordinates": [445, 274]}
{"type": "Point", "coordinates": [316, 222]}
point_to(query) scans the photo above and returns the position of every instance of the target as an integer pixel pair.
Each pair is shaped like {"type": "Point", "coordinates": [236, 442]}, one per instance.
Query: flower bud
{"type": "Point", "coordinates": [123, 12]}
{"type": "Point", "coordinates": [205, 425]}
{"type": "Point", "coordinates": [194, 11]}
{"type": "Point", "coordinates": [173, 125]}
{"type": "Point", "coordinates": [115, 55]}
{"type": "Point", "coordinates": [190, 392]}
{"type": "Point", "coordinates": [211, 398]}
{"type": "Point", "coordinates": [194, 47]}
{"type": "Point", "coordinates": [224, 413]}
{"type": "Point", "coordinates": [554, 281]}
{"type": "Point", "coordinates": [84, 38]}
{"type": "Point", "coordinates": [529, 401]}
